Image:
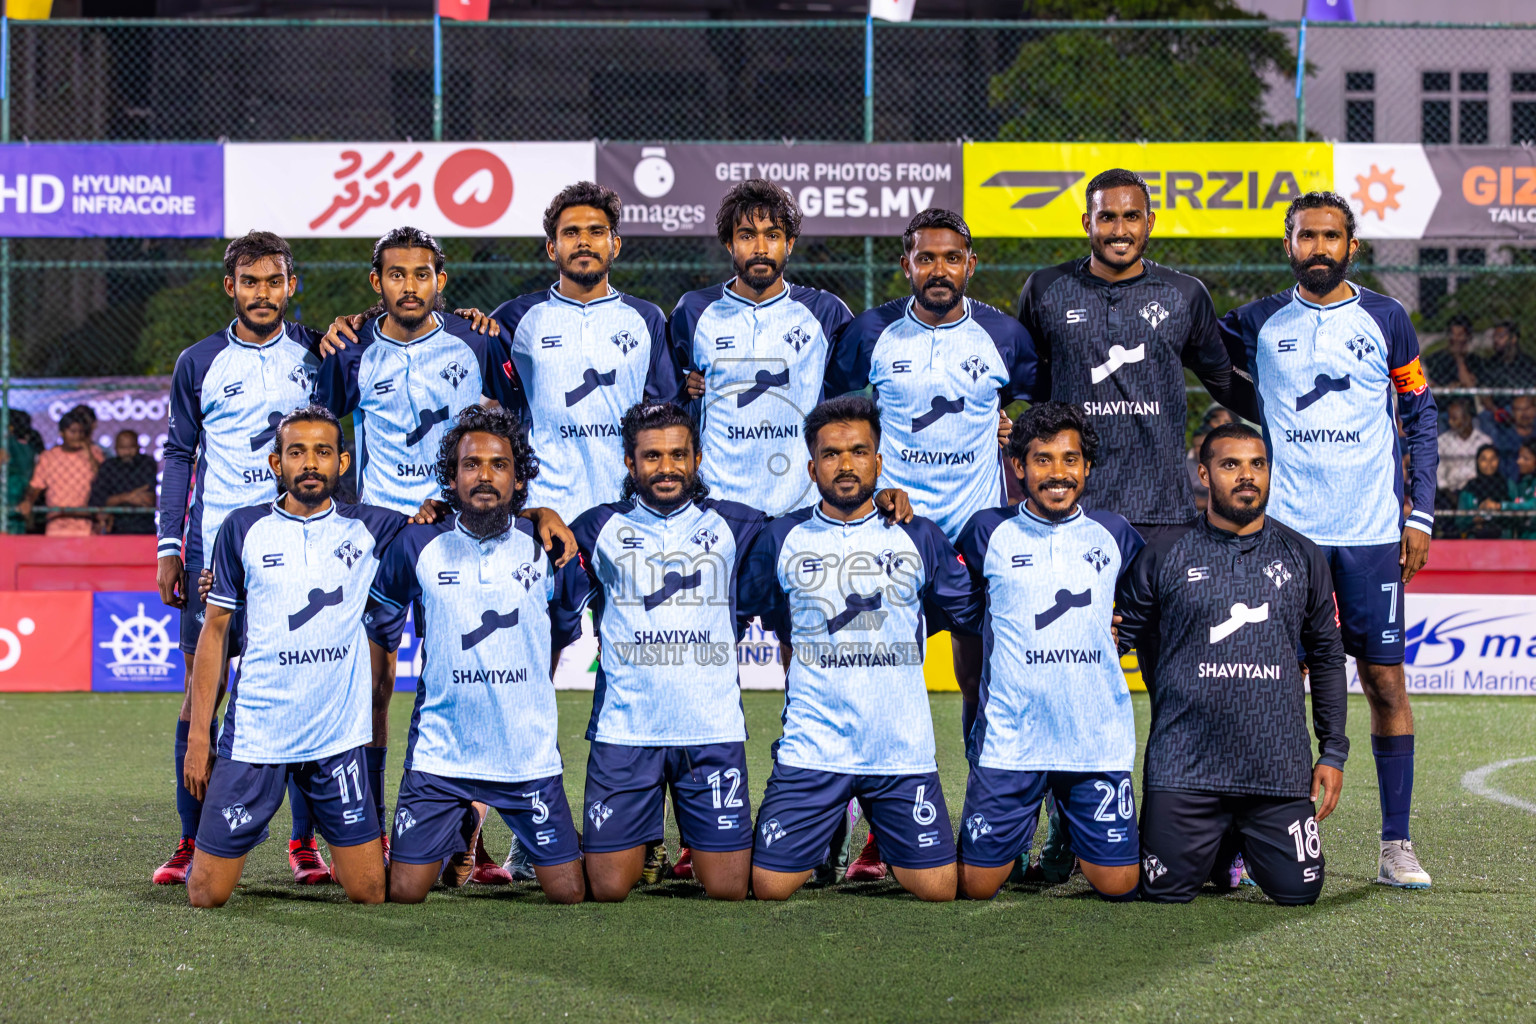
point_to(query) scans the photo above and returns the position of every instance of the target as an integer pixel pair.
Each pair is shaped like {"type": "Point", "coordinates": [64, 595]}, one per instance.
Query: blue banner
{"type": "Point", "coordinates": [133, 643]}
{"type": "Point", "coordinates": [68, 190]}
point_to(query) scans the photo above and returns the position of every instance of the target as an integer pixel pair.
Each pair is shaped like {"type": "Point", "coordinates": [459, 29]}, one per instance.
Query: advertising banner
{"type": "Point", "coordinates": [140, 404]}
{"type": "Point", "coordinates": [120, 190]}
{"type": "Point", "coordinates": [1468, 643]}
{"type": "Point", "coordinates": [842, 189]}
{"type": "Point", "coordinates": [133, 643]}
{"type": "Point", "coordinates": [1199, 189]}
{"type": "Point", "coordinates": [363, 189]}
{"type": "Point", "coordinates": [45, 639]}
{"type": "Point", "coordinates": [1439, 191]}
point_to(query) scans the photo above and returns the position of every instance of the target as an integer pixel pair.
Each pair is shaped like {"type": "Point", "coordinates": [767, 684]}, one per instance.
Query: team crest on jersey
{"type": "Point", "coordinates": [599, 813]}
{"type": "Point", "coordinates": [977, 826]}
{"type": "Point", "coordinates": [1096, 558]}
{"type": "Point", "coordinates": [975, 367]}
{"type": "Point", "coordinates": [888, 561]}
{"type": "Point", "coordinates": [348, 553]}
{"type": "Point", "coordinates": [1278, 574]}
{"type": "Point", "coordinates": [527, 574]}
{"type": "Point", "coordinates": [303, 376]}
{"type": "Point", "coordinates": [453, 373]}
{"type": "Point", "coordinates": [404, 821]}
{"type": "Point", "coordinates": [625, 341]}
{"type": "Point", "coordinates": [1154, 313]}
{"type": "Point", "coordinates": [236, 815]}
{"type": "Point", "coordinates": [797, 337]}
{"type": "Point", "coordinates": [772, 830]}
{"type": "Point", "coordinates": [705, 538]}
{"type": "Point", "coordinates": [1361, 346]}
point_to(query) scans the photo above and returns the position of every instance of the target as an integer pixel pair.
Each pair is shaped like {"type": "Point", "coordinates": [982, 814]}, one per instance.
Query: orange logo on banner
{"type": "Point", "coordinates": [1379, 202]}
{"type": "Point", "coordinates": [45, 640]}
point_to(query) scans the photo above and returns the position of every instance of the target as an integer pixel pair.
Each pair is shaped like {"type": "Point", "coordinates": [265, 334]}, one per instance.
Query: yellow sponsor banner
{"type": "Point", "coordinates": [939, 666]}
{"type": "Point", "coordinates": [1199, 189]}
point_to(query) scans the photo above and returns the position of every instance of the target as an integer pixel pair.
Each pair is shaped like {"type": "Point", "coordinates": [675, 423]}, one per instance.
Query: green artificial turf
{"type": "Point", "coordinates": [86, 813]}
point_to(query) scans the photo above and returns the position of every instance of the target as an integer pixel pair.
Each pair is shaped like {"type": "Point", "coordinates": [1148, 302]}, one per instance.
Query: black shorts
{"type": "Point", "coordinates": [192, 619]}
{"type": "Point", "coordinates": [1186, 836]}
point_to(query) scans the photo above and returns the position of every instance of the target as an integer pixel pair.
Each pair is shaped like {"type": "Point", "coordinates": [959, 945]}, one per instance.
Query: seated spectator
{"type": "Point", "coordinates": [1459, 445]}
{"type": "Point", "coordinates": [127, 480]}
{"type": "Point", "coordinates": [89, 414]}
{"type": "Point", "coordinates": [1485, 492]}
{"type": "Point", "coordinates": [1452, 366]}
{"type": "Point", "coordinates": [20, 460]}
{"type": "Point", "coordinates": [1509, 432]}
{"type": "Point", "coordinates": [64, 474]}
{"type": "Point", "coordinates": [1191, 466]}
{"type": "Point", "coordinates": [1507, 366]}
{"type": "Point", "coordinates": [1216, 416]}
{"type": "Point", "coordinates": [1522, 492]}
{"type": "Point", "coordinates": [23, 430]}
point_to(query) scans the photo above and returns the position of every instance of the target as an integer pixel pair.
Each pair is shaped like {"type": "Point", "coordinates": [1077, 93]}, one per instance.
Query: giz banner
{"type": "Point", "coordinates": [63, 190]}
{"type": "Point", "coordinates": [1198, 189]}
{"type": "Point", "coordinates": [45, 640]}
{"type": "Point", "coordinates": [363, 189]}
{"type": "Point", "coordinates": [1468, 643]}
{"type": "Point", "coordinates": [851, 189]}
{"type": "Point", "coordinates": [1409, 191]}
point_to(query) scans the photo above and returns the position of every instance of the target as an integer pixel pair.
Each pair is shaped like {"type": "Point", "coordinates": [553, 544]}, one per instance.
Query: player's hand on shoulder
{"type": "Point", "coordinates": [168, 579]}
{"type": "Point", "coordinates": [556, 537]}
{"type": "Point", "coordinates": [431, 511]}
{"type": "Point", "coordinates": [204, 585]}
{"type": "Point", "coordinates": [893, 505]}
{"type": "Point", "coordinates": [342, 333]}
{"type": "Point", "coordinates": [694, 385]}
{"type": "Point", "coordinates": [481, 322]}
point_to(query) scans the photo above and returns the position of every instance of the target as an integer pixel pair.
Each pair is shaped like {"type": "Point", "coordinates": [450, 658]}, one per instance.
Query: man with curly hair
{"type": "Point", "coordinates": [486, 725]}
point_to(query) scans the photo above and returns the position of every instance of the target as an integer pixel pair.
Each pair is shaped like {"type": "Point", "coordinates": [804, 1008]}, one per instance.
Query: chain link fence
{"type": "Point", "coordinates": [120, 308]}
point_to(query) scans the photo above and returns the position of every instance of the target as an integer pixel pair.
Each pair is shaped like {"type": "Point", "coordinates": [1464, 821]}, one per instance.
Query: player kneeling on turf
{"type": "Point", "coordinates": [1055, 711]}
{"type": "Point", "coordinates": [1217, 611]}
{"type": "Point", "coordinates": [495, 613]}
{"type": "Point", "coordinates": [855, 595]}
{"type": "Point", "coordinates": [299, 568]}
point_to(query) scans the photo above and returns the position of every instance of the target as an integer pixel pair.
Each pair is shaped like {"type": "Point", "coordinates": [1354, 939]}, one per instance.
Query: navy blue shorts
{"type": "Point", "coordinates": [803, 807]}
{"type": "Point", "coordinates": [626, 787]}
{"type": "Point", "coordinates": [242, 798]}
{"type": "Point", "coordinates": [1368, 590]}
{"type": "Point", "coordinates": [192, 618]}
{"type": "Point", "coordinates": [1002, 808]}
{"type": "Point", "coordinates": [385, 625]}
{"type": "Point", "coordinates": [431, 819]}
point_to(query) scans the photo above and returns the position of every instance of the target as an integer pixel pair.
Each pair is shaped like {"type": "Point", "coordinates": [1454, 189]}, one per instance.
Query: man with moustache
{"type": "Point", "coordinates": [1055, 711]}
{"type": "Point", "coordinates": [228, 393]}
{"type": "Point", "coordinates": [299, 568]}
{"type": "Point", "coordinates": [497, 612]}
{"type": "Point", "coordinates": [1219, 608]}
{"type": "Point", "coordinates": [1337, 367]}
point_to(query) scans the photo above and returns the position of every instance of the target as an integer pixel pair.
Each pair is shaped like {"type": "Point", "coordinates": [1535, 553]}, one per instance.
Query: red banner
{"type": "Point", "coordinates": [45, 640]}
{"type": "Point", "coordinates": [465, 10]}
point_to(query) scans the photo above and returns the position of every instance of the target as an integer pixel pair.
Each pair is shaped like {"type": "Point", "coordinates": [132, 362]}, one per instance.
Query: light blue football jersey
{"type": "Point", "coordinates": [580, 366]}
{"type": "Point", "coordinates": [493, 612]}
{"type": "Point", "coordinates": [304, 687]}
{"type": "Point", "coordinates": [227, 398]}
{"type": "Point", "coordinates": [1327, 377]}
{"type": "Point", "coordinates": [1053, 695]}
{"type": "Point", "coordinates": [939, 391]}
{"type": "Point", "coordinates": [857, 601]}
{"type": "Point", "coordinates": [664, 607]}
{"type": "Point", "coordinates": [404, 397]}
{"type": "Point", "coordinates": [764, 366]}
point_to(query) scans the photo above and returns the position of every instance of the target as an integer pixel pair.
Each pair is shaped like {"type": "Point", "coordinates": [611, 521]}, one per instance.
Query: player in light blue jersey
{"type": "Point", "coordinates": [855, 598]}
{"type": "Point", "coordinates": [228, 393]}
{"type": "Point", "coordinates": [943, 366]}
{"type": "Point", "coordinates": [1055, 710]}
{"type": "Point", "coordinates": [299, 568]}
{"type": "Point", "coordinates": [1337, 369]}
{"type": "Point", "coordinates": [756, 348]}
{"type": "Point", "coordinates": [666, 712]}
{"type": "Point", "coordinates": [497, 612]}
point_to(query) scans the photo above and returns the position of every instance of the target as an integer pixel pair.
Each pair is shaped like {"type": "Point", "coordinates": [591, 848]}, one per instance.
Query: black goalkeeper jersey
{"type": "Point", "coordinates": [1119, 350]}
{"type": "Point", "coordinates": [1218, 619]}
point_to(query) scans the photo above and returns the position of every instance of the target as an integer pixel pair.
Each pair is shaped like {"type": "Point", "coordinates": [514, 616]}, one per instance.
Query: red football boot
{"type": "Point", "coordinates": [174, 871]}
{"type": "Point", "coordinates": [487, 871]}
{"type": "Point", "coordinates": [309, 868]}
{"type": "Point", "coordinates": [868, 867]}
{"type": "Point", "coordinates": [684, 866]}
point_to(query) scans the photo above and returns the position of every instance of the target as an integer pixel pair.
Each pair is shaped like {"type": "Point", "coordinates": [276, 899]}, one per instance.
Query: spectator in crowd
{"type": "Point", "coordinates": [1216, 416]}
{"type": "Point", "coordinates": [1485, 492]}
{"type": "Point", "coordinates": [23, 430]}
{"type": "Point", "coordinates": [1507, 366]}
{"type": "Point", "coordinates": [64, 473]}
{"type": "Point", "coordinates": [1459, 445]}
{"type": "Point", "coordinates": [89, 414]}
{"type": "Point", "coordinates": [1522, 492]}
{"type": "Point", "coordinates": [1454, 365]}
{"type": "Point", "coordinates": [1192, 466]}
{"type": "Point", "coordinates": [1509, 432]}
{"type": "Point", "coordinates": [21, 460]}
{"type": "Point", "coordinates": [127, 480]}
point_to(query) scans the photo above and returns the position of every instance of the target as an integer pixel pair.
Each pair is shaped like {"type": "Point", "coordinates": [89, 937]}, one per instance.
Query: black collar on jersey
{"type": "Point", "coordinates": [819, 514]}
{"type": "Point", "coordinates": [1085, 271]}
{"type": "Point", "coordinates": [663, 515]}
{"type": "Point", "coordinates": [1296, 291]}
{"type": "Point", "coordinates": [1025, 513]}
{"type": "Point", "coordinates": [1227, 536]}
{"type": "Point", "coordinates": [555, 296]}
{"type": "Point", "coordinates": [234, 338]}
{"type": "Point", "coordinates": [727, 292]}
{"type": "Point", "coordinates": [277, 506]}
{"type": "Point", "coordinates": [964, 300]}
{"type": "Point", "coordinates": [378, 331]}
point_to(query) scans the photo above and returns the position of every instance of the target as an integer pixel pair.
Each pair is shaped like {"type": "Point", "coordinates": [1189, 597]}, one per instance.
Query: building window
{"type": "Point", "coordinates": [1459, 113]}
{"type": "Point", "coordinates": [1522, 108]}
{"type": "Point", "coordinates": [1432, 289]}
{"type": "Point", "coordinates": [1360, 106]}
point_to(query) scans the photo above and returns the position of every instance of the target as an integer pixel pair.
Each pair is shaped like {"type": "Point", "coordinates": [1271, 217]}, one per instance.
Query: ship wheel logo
{"type": "Point", "coordinates": [1378, 192]}
{"type": "Point", "coordinates": [141, 646]}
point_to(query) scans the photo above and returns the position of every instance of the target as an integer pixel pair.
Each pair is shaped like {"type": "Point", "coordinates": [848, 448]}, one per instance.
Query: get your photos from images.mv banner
{"type": "Point", "coordinates": [500, 189]}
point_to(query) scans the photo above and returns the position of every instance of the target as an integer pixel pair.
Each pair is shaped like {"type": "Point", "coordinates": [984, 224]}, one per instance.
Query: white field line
{"type": "Point", "coordinates": [1476, 781]}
